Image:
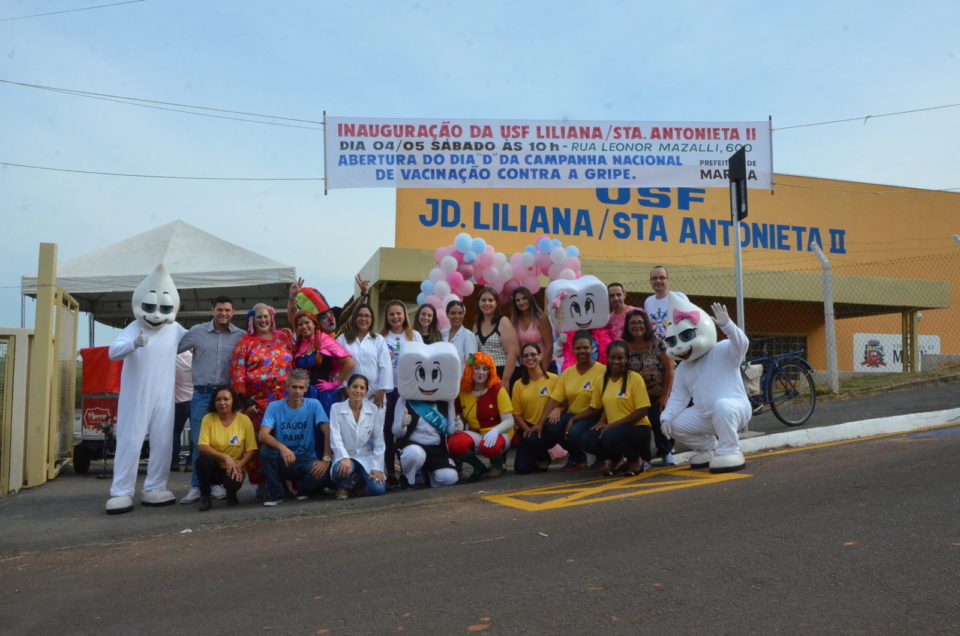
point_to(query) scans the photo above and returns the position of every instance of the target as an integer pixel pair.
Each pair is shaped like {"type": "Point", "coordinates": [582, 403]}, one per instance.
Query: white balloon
{"type": "Point", "coordinates": [567, 274]}
{"type": "Point", "coordinates": [506, 272]}
{"type": "Point", "coordinates": [437, 275]}
{"type": "Point", "coordinates": [528, 259]}
{"type": "Point", "coordinates": [441, 289]}
{"type": "Point", "coordinates": [557, 255]}
{"type": "Point", "coordinates": [491, 275]}
{"type": "Point", "coordinates": [499, 259]}
{"type": "Point", "coordinates": [448, 264]}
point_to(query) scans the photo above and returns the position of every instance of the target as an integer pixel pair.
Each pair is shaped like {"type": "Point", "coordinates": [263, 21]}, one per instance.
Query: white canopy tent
{"type": "Point", "coordinates": [203, 267]}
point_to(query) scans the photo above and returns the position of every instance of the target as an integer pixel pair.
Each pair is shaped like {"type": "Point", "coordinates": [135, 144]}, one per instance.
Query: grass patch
{"type": "Point", "coordinates": [868, 383]}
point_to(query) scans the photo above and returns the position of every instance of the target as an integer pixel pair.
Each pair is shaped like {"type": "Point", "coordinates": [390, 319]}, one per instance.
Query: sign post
{"type": "Point", "coordinates": [737, 171]}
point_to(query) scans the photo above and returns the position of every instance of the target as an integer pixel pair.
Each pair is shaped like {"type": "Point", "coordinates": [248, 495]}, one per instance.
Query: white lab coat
{"type": "Point", "coordinates": [359, 440]}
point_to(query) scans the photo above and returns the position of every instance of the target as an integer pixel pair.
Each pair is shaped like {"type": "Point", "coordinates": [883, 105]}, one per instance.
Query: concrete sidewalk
{"type": "Point", "coordinates": [68, 511]}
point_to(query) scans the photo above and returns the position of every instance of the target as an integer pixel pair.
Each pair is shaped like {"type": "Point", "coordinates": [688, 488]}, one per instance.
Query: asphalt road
{"type": "Point", "coordinates": [854, 538]}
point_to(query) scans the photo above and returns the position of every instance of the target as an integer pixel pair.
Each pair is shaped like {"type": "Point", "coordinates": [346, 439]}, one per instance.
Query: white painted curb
{"type": "Point", "coordinates": [839, 432]}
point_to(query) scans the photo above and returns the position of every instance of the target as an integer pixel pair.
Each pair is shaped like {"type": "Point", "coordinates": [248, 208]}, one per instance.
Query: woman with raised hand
{"type": "Point", "coordinates": [328, 363]}
{"type": "Point", "coordinates": [356, 440]}
{"type": "Point", "coordinates": [531, 393]}
{"type": "Point", "coordinates": [495, 335]}
{"type": "Point", "coordinates": [567, 416]}
{"type": "Point", "coordinates": [531, 323]}
{"type": "Point", "coordinates": [648, 357]}
{"type": "Point", "coordinates": [459, 336]}
{"type": "Point", "coordinates": [622, 434]}
{"type": "Point", "coordinates": [426, 323]}
{"type": "Point", "coordinates": [395, 331]}
{"type": "Point", "coordinates": [486, 410]}
{"type": "Point", "coordinates": [227, 444]}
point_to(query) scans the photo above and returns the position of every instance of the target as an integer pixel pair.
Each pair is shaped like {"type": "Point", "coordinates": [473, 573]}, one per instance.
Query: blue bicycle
{"type": "Point", "coordinates": [786, 386]}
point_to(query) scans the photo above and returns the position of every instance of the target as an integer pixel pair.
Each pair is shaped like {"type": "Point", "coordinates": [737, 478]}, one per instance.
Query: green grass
{"type": "Point", "coordinates": [867, 384]}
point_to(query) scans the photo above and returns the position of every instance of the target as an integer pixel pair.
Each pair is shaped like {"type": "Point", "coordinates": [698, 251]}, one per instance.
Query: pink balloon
{"type": "Point", "coordinates": [457, 254]}
{"type": "Point", "coordinates": [434, 300]}
{"type": "Point", "coordinates": [530, 282]}
{"type": "Point", "coordinates": [489, 249]}
{"type": "Point", "coordinates": [466, 289]}
{"type": "Point", "coordinates": [492, 275]}
{"type": "Point", "coordinates": [543, 262]}
{"type": "Point", "coordinates": [497, 286]}
{"type": "Point", "coordinates": [554, 271]}
{"type": "Point", "coordinates": [455, 279]}
{"type": "Point", "coordinates": [466, 269]}
{"type": "Point", "coordinates": [571, 262]}
{"type": "Point", "coordinates": [441, 252]}
{"type": "Point", "coordinates": [510, 286]}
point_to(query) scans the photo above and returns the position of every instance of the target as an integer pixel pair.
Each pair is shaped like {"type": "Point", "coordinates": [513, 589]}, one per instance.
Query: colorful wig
{"type": "Point", "coordinates": [251, 327]}
{"type": "Point", "coordinates": [474, 359]}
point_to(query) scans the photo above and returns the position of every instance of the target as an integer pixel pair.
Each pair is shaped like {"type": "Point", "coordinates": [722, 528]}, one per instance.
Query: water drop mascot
{"type": "Point", "coordinates": [148, 348]}
{"type": "Point", "coordinates": [425, 415]}
{"type": "Point", "coordinates": [581, 303]}
{"type": "Point", "coordinates": [709, 373]}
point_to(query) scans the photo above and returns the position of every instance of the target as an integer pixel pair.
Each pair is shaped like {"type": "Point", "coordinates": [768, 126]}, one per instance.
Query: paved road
{"type": "Point", "coordinates": [854, 538]}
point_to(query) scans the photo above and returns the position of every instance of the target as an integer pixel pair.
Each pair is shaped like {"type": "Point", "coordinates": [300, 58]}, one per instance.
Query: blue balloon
{"type": "Point", "coordinates": [557, 243]}
{"type": "Point", "coordinates": [530, 249]}
{"type": "Point", "coordinates": [573, 251]}
{"type": "Point", "coordinates": [463, 242]}
{"type": "Point", "coordinates": [478, 245]}
{"type": "Point", "coordinates": [469, 257]}
{"type": "Point", "coordinates": [545, 245]}
{"type": "Point", "coordinates": [422, 298]}
{"type": "Point", "coordinates": [427, 287]}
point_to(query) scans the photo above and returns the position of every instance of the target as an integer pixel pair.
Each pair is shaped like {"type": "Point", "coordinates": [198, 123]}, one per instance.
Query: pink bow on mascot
{"type": "Point", "coordinates": [709, 373]}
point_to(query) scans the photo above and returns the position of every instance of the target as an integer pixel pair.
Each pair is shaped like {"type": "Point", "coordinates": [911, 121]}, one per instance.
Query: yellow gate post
{"type": "Point", "coordinates": [43, 356]}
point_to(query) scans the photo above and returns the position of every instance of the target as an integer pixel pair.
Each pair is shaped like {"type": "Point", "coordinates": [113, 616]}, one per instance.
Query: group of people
{"type": "Point", "coordinates": [313, 408]}
{"type": "Point", "coordinates": [301, 410]}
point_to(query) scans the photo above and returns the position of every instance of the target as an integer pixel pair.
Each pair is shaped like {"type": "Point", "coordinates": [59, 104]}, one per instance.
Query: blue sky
{"type": "Point", "coordinates": [689, 61]}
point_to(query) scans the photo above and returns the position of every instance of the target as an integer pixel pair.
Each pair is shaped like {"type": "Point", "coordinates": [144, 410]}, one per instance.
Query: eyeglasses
{"type": "Point", "coordinates": [531, 355]}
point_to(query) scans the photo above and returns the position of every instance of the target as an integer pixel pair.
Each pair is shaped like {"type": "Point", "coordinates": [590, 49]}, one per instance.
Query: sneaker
{"type": "Point", "coordinates": [647, 466]}
{"type": "Point", "coordinates": [218, 492]}
{"type": "Point", "coordinates": [302, 497]}
{"type": "Point", "coordinates": [668, 460]}
{"type": "Point", "coordinates": [570, 467]}
{"type": "Point", "coordinates": [273, 502]}
{"type": "Point", "coordinates": [205, 504]}
{"type": "Point", "coordinates": [191, 497]}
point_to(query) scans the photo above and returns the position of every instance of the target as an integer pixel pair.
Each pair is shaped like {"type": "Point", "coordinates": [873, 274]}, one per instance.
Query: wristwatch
{"type": "Point", "coordinates": [326, 458]}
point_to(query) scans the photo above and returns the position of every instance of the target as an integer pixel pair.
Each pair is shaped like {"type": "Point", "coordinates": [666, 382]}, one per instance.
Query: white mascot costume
{"type": "Point", "coordinates": [581, 303]}
{"type": "Point", "coordinates": [148, 348]}
{"type": "Point", "coordinates": [709, 372]}
{"type": "Point", "coordinates": [429, 378]}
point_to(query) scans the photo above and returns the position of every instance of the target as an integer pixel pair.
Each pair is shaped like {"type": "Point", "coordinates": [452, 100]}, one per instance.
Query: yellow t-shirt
{"type": "Point", "coordinates": [233, 440]}
{"type": "Point", "coordinates": [468, 402]}
{"type": "Point", "coordinates": [618, 404]}
{"type": "Point", "coordinates": [575, 390]}
{"type": "Point", "coordinates": [530, 399]}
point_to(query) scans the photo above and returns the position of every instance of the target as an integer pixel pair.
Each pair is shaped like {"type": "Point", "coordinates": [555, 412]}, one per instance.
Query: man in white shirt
{"type": "Point", "coordinates": [656, 305]}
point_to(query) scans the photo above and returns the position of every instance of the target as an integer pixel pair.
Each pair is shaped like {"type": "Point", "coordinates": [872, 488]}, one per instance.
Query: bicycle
{"type": "Point", "coordinates": [785, 385]}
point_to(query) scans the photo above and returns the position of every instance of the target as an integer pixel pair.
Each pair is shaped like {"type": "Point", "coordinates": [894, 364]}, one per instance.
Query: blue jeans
{"type": "Point", "coordinates": [359, 472]}
{"type": "Point", "coordinates": [275, 471]}
{"type": "Point", "coordinates": [198, 408]}
{"type": "Point", "coordinates": [554, 434]}
{"type": "Point", "coordinates": [627, 441]}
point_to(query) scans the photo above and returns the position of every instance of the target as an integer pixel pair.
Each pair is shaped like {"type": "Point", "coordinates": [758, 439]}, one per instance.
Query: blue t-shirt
{"type": "Point", "coordinates": [296, 428]}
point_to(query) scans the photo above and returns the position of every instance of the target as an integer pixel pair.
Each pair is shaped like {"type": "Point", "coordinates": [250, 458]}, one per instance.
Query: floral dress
{"type": "Point", "coordinates": [259, 368]}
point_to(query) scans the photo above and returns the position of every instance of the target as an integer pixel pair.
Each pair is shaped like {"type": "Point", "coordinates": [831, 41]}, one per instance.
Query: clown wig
{"type": "Point", "coordinates": [473, 360]}
{"type": "Point", "coordinates": [251, 326]}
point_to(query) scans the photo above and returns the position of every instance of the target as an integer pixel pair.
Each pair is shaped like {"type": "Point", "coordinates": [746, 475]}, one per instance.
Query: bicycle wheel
{"type": "Point", "coordinates": [791, 394]}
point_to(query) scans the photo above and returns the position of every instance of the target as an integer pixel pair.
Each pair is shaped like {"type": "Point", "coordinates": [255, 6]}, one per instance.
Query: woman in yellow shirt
{"type": "Point", "coordinates": [485, 408]}
{"type": "Point", "coordinates": [226, 445]}
{"type": "Point", "coordinates": [567, 414]}
{"type": "Point", "coordinates": [530, 397]}
{"type": "Point", "coordinates": [622, 434]}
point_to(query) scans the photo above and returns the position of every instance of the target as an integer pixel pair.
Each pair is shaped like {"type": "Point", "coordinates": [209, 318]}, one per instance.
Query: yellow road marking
{"type": "Point", "coordinates": [595, 490]}
{"type": "Point", "coordinates": [608, 489]}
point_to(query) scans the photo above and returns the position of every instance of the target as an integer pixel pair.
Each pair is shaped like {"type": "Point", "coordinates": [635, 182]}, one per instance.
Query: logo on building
{"type": "Point", "coordinates": [873, 354]}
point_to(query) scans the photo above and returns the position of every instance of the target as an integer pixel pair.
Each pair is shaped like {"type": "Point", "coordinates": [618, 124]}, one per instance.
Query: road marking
{"type": "Point", "coordinates": [608, 489]}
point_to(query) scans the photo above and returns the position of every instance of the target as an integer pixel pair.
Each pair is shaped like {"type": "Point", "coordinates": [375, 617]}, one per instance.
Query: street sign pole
{"type": "Point", "coordinates": [738, 211]}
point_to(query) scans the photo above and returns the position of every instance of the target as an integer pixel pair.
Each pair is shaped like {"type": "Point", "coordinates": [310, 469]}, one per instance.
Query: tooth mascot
{"type": "Point", "coordinates": [709, 372]}
{"type": "Point", "coordinates": [425, 414]}
{"type": "Point", "coordinates": [148, 348]}
{"type": "Point", "coordinates": [581, 303]}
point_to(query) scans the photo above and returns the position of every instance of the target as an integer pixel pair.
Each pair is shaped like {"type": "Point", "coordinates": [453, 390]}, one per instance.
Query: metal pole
{"type": "Point", "coordinates": [737, 260]}
{"type": "Point", "coordinates": [90, 322]}
{"type": "Point", "coordinates": [828, 319]}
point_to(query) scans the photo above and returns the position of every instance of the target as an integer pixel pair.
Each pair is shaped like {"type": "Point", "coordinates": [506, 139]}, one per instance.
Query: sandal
{"type": "Point", "coordinates": [633, 469]}
{"type": "Point", "coordinates": [342, 494]}
{"type": "Point", "coordinates": [614, 468]}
